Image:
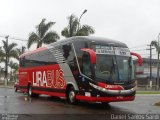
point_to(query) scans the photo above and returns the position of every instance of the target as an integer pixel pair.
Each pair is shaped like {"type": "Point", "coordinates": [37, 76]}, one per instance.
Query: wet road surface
{"type": "Point", "coordinates": [45, 107]}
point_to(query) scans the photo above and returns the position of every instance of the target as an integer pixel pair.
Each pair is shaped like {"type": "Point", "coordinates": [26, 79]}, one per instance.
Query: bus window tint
{"type": "Point", "coordinates": [125, 71]}
{"type": "Point", "coordinates": [86, 65]}
{"type": "Point", "coordinates": [78, 46]}
{"type": "Point", "coordinates": [123, 68]}
{"type": "Point", "coordinates": [66, 51]}
{"type": "Point", "coordinates": [69, 55]}
{"type": "Point", "coordinates": [105, 68]}
{"type": "Point", "coordinates": [37, 59]}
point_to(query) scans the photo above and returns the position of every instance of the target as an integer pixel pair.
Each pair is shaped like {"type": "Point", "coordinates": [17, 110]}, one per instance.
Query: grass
{"type": "Point", "coordinates": [148, 92]}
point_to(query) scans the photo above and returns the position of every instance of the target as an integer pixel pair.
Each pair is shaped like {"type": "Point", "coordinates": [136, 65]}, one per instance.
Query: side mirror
{"type": "Point", "coordinates": [92, 54]}
{"type": "Point", "coordinates": [140, 60]}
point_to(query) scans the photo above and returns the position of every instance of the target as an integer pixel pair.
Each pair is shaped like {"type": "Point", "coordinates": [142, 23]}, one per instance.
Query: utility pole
{"type": "Point", "coordinates": [150, 49]}
{"type": "Point", "coordinates": [81, 15]}
{"type": "Point", "coordinates": [0, 72]}
{"type": "Point", "coordinates": [80, 18]}
{"type": "Point", "coordinates": [6, 62]}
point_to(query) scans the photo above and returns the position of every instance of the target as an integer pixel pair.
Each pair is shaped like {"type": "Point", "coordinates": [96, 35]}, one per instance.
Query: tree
{"type": "Point", "coordinates": [1, 60]}
{"type": "Point", "coordinates": [20, 51]}
{"type": "Point", "coordinates": [8, 51]}
{"type": "Point", "coordinates": [75, 29]}
{"type": "Point", "coordinates": [13, 66]}
{"type": "Point", "coordinates": [42, 35]}
{"type": "Point", "coordinates": [157, 46]}
{"type": "Point", "coordinates": [1, 55]}
{"type": "Point", "coordinates": [14, 69]}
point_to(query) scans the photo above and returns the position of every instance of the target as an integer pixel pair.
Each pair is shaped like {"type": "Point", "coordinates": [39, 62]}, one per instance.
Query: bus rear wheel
{"type": "Point", "coordinates": [71, 96]}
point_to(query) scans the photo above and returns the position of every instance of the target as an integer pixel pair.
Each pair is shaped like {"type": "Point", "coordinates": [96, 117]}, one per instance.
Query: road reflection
{"type": "Point", "coordinates": [81, 107]}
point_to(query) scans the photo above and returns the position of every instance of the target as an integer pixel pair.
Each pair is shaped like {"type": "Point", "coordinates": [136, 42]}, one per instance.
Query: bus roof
{"type": "Point", "coordinates": [33, 51]}
{"type": "Point", "coordinates": [96, 40]}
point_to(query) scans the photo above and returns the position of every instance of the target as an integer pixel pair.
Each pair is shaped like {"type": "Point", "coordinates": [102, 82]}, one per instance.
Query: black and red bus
{"type": "Point", "coordinates": [90, 69]}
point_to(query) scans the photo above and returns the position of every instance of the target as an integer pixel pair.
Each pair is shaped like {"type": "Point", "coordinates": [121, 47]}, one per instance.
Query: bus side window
{"type": "Point", "coordinates": [22, 62]}
{"type": "Point", "coordinates": [68, 53]}
{"type": "Point", "coordinates": [70, 58]}
{"type": "Point", "coordinates": [86, 64]}
{"type": "Point", "coordinates": [66, 50]}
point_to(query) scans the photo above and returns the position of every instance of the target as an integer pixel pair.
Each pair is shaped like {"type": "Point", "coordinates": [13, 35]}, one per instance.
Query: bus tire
{"type": "Point", "coordinates": [71, 96]}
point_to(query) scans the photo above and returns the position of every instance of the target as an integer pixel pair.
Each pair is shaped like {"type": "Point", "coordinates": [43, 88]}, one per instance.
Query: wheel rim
{"type": "Point", "coordinates": [72, 96]}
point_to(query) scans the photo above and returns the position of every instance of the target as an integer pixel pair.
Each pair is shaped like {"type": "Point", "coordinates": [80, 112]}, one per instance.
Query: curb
{"type": "Point", "coordinates": [147, 95]}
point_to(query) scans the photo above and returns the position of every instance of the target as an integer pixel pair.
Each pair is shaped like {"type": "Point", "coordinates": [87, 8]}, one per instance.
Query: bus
{"type": "Point", "coordinates": [83, 68]}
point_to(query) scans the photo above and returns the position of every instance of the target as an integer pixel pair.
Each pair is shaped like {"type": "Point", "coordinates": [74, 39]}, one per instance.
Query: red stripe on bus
{"type": "Point", "coordinates": [110, 87]}
{"type": "Point", "coordinates": [34, 51]}
{"type": "Point", "coordinates": [52, 69]}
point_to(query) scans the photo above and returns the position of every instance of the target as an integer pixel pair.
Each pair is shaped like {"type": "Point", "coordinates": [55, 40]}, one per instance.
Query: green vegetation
{"type": "Point", "coordinates": [148, 92]}
{"type": "Point", "coordinates": [21, 50]}
{"type": "Point", "coordinates": [75, 29]}
{"type": "Point", "coordinates": [157, 46]}
{"type": "Point", "coordinates": [42, 34]}
{"type": "Point", "coordinates": [8, 51]}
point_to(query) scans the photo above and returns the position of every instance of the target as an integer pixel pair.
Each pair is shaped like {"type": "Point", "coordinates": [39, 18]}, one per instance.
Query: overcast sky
{"type": "Point", "coordinates": [134, 22]}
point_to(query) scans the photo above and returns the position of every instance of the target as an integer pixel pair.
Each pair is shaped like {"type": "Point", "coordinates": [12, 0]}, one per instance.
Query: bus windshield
{"type": "Point", "coordinates": [113, 64]}
{"type": "Point", "coordinates": [106, 68]}
{"type": "Point", "coordinates": [113, 68]}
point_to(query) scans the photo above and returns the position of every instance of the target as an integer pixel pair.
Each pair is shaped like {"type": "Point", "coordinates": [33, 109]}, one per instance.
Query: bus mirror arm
{"type": "Point", "coordinates": [140, 60]}
{"type": "Point", "coordinates": [92, 54]}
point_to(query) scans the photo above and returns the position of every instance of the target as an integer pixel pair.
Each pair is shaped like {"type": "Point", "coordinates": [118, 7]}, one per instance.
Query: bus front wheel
{"type": "Point", "coordinates": [71, 96]}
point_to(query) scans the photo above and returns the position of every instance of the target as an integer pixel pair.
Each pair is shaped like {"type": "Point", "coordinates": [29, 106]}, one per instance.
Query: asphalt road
{"type": "Point", "coordinates": [19, 106]}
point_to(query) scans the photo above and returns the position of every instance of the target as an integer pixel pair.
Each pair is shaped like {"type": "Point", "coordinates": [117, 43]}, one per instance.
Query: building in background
{"type": "Point", "coordinates": [142, 73]}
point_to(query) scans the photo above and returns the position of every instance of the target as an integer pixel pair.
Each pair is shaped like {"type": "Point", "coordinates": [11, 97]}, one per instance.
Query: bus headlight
{"type": "Point", "coordinates": [114, 92]}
